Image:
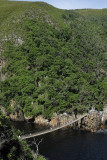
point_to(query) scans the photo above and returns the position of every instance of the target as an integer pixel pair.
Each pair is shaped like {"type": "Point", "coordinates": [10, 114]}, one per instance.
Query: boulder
{"type": "Point", "coordinates": [41, 121]}
{"type": "Point", "coordinates": [28, 118]}
{"type": "Point", "coordinates": [54, 122]}
{"type": "Point", "coordinates": [17, 116]}
{"type": "Point", "coordinates": [92, 122]}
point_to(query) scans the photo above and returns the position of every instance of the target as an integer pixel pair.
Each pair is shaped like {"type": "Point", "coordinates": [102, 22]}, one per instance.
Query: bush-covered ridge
{"type": "Point", "coordinates": [57, 62]}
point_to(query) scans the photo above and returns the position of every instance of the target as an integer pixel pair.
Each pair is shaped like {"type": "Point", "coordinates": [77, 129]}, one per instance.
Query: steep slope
{"type": "Point", "coordinates": [52, 60]}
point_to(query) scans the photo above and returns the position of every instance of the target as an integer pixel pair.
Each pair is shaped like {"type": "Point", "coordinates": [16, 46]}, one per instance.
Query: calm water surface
{"type": "Point", "coordinates": [67, 144]}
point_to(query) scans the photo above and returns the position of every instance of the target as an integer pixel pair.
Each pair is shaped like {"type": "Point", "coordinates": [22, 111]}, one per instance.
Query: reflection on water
{"type": "Point", "coordinates": [67, 144]}
{"type": "Point", "coordinates": [28, 128]}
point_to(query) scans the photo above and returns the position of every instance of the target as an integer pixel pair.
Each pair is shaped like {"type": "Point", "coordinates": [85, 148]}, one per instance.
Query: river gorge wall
{"type": "Point", "coordinates": [92, 122]}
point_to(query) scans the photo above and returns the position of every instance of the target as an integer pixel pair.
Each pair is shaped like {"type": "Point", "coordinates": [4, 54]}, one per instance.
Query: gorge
{"type": "Point", "coordinates": [53, 70]}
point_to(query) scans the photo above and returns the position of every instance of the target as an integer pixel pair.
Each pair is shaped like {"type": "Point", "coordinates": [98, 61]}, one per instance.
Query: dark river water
{"type": "Point", "coordinates": [67, 144]}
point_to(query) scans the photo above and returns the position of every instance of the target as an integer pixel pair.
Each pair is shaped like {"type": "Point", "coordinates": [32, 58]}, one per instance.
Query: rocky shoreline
{"type": "Point", "coordinates": [92, 122]}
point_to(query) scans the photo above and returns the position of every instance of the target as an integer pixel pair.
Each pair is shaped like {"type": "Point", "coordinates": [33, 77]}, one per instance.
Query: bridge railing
{"type": "Point", "coordinates": [51, 129]}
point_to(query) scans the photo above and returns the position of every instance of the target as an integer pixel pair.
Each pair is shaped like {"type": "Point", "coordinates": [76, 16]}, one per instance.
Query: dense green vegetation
{"type": "Point", "coordinates": [10, 147]}
{"type": "Point", "coordinates": [55, 59]}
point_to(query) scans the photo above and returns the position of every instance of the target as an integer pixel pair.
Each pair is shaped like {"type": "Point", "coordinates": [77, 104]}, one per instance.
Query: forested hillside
{"type": "Point", "coordinates": [52, 60]}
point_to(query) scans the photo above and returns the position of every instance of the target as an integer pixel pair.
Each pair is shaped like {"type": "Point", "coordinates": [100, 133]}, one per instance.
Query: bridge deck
{"type": "Point", "coordinates": [50, 130]}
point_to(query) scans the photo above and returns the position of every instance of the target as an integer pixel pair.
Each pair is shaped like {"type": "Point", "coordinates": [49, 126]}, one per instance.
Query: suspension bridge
{"type": "Point", "coordinates": [27, 136]}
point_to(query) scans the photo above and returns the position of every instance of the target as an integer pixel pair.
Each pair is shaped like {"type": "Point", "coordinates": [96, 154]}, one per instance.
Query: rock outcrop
{"type": "Point", "coordinates": [29, 118]}
{"type": "Point", "coordinates": [92, 122]}
{"type": "Point", "coordinates": [17, 116]}
{"type": "Point", "coordinates": [104, 115]}
{"type": "Point", "coordinates": [60, 120]}
{"type": "Point", "coordinates": [16, 113]}
{"type": "Point", "coordinates": [54, 122]}
{"type": "Point", "coordinates": [41, 121]}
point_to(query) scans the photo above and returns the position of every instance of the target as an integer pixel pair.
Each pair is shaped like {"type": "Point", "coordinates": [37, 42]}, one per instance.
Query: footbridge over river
{"type": "Point", "coordinates": [27, 136]}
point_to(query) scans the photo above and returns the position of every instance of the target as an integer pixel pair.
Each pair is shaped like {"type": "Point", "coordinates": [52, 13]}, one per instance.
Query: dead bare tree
{"type": "Point", "coordinates": [37, 146]}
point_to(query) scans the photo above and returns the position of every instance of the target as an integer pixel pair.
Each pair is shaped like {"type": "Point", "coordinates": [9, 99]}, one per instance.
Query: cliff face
{"type": "Point", "coordinates": [92, 122]}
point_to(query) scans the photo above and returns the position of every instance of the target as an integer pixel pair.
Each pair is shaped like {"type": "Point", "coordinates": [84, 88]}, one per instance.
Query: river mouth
{"type": "Point", "coordinates": [67, 144]}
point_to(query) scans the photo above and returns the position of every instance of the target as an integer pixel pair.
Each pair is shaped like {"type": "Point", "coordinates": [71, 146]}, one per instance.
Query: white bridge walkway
{"type": "Point", "coordinates": [23, 137]}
